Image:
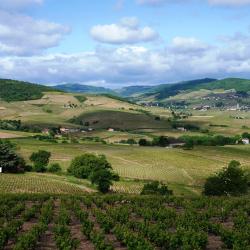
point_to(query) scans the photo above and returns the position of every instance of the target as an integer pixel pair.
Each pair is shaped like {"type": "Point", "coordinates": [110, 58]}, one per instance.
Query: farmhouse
{"type": "Point", "coordinates": [245, 141]}
{"type": "Point", "coordinates": [69, 130]}
{"type": "Point", "coordinates": [46, 131]}
{"type": "Point", "coordinates": [182, 129]}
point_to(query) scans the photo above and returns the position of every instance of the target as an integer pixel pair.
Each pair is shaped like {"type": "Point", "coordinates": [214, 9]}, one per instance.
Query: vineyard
{"type": "Point", "coordinates": [123, 222]}
{"type": "Point", "coordinates": [38, 183]}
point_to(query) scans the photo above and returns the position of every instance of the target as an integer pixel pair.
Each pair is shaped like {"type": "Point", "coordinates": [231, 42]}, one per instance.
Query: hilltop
{"type": "Point", "coordinates": [80, 88]}
{"type": "Point", "coordinates": [12, 90]}
{"type": "Point", "coordinates": [165, 91]}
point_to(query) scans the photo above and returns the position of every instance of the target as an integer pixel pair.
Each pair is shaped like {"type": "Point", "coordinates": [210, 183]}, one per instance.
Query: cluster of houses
{"type": "Point", "coordinates": [238, 108]}
{"type": "Point", "coordinates": [202, 108]}
{"type": "Point", "coordinates": [244, 141]}
{"type": "Point", "coordinates": [63, 130]}
{"type": "Point", "coordinates": [70, 105]}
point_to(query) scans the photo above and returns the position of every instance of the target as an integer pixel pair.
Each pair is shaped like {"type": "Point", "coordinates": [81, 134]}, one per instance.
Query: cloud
{"type": "Point", "coordinates": [135, 65]}
{"type": "Point", "coordinates": [188, 45]}
{"type": "Point", "coordinates": [23, 35]}
{"type": "Point", "coordinates": [127, 31]}
{"type": "Point", "coordinates": [18, 4]}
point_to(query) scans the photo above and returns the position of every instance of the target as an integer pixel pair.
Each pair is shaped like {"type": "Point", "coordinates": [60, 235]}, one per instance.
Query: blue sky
{"type": "Point", "coordinates": [117, 43]}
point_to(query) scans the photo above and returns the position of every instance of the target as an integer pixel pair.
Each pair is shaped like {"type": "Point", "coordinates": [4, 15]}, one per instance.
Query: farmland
{"type": "Point", "coordinates": [40, 183]}
{"type": "Point", "coordinates": [185, 171]}
{"type": "Point", "coordinates": [122, 222]}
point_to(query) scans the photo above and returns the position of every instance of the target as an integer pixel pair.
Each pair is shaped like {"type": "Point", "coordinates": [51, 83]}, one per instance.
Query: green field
{"type": "Point", "coordinates": [185, 170]}
{"type": "Point", "coordinates": [118, 222]}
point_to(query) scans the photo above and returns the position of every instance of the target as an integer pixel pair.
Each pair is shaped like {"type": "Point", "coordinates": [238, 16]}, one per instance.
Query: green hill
{"type": "Point", "coordinates": [133, 90]}
{"type": "Point", "coordinates": [79, 88]}
{"type": "Point", "coordinates": [164, 91]}
{"type": "Point", "coordinates": [12, 90]}
{"type": "Point", "coordinates": [119, 120]}
{"type": "Point", "coordinates": [240, 85]}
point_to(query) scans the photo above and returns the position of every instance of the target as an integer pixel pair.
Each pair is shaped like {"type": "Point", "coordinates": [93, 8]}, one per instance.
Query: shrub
{"type": "Point", "coordinates": [94, 167]}
{"type": "Point", "coordinates": [54, 168]}
{"type": "Point", "coordinates": [10, 162]}
{"type": "Point", "coordinates": [83, 165]}
{"type": "Point", "coordinates": [40, 160]}
{"type": "Point", "coordinates": [156, 187]}
{"type": "Point", "coordinates": [230, 181]}
{"type": "Point", "coordinates": [161, 141]}
{"type": "Point", "coordinates": [102, 178]}
{"type": "Point", "coordinates": [144, 142]}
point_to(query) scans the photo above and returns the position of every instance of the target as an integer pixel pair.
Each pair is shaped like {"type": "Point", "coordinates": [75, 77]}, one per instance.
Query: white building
{"type": "Point", "coordinates": [245, 141]}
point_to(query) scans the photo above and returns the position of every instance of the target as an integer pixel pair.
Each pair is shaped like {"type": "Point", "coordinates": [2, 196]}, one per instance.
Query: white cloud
{"type": "Point", "coordinates": [129, 65]}
{"type": "Point", "coordinates": [188, 45]}
{"type": "Point", "coordinates": [127, 31]}
{"type": "Point", "coordinates": [23, 35]}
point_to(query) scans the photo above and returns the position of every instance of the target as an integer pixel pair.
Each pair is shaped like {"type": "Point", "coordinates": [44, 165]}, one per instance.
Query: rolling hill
{"type": "Point", "coordinates": [12, 90]}
{"type": "Point", "coordinates": [79, 88]}
{"type": "Point", "coordinates": [133, 90]}
{"type": "Point", "coordinates": [161, 92]}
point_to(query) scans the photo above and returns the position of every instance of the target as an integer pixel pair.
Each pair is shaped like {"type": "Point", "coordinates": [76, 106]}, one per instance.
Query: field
{"type": "Point", "coordinates": [184, 170]}
{"type": "Point", "coordinates": [54, 108]}
{"type": "Point", "coordinates": [41, 183]}
{"type": "Point", "coordinates": [123, 222]}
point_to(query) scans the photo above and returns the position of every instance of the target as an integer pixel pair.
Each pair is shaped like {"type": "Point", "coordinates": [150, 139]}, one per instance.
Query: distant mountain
{"type": "Point", "coordinates": [238, 84]}
{"type": "Point", "coordinates": [164, 91]}
{"type": "Point", "coordinates": [133, 90]}
{"type": "Point", "coordinates": [12, 90]}
{"type": "Point", "coordinates": [79, 88]}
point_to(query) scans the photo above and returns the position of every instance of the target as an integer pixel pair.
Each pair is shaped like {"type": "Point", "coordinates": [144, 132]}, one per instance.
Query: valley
{"type": "Point", "coordinates": [102, 124]}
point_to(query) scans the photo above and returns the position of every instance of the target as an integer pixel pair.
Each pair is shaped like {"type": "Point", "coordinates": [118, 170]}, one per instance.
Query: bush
{"type": "Point", "coordinates": [144, 142]}
{"type": "Point", "coordinates": [230, 181]}
{"type": "Point", "coordinates": [156, 187]}
{"type": "Point", "coordinates": [82, 166]}
{"type": "Point", "coordinates": [54, 168]}
{"type": "Point", "coordinates": [161, 141]}
{"type": "Point", "coordinates": [10, 162]}
{"type": "Point", "coordinates": [102, 178]}
{"type": "Point", "coordinates": [40, 160]}
{"type": "Point", "coordinates": [94, 167]}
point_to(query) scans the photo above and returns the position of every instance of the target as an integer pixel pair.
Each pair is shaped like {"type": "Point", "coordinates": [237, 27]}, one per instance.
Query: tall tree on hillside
{"type": "Point", "coordinates": [10, 162]}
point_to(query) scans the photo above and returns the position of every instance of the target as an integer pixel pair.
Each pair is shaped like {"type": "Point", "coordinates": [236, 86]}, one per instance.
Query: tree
{"type": "Point", "coordinates": [156, 187]}
{"type": "Point", "coordinates": [161, 141]}
{"type": "Point", "coordinates": [40, 160]}
{"type": "Point", "coordinates": [232, 180]}
{"type": "Point", "coordinates": [188, 145]}
{"type": "Point", "coordinates": [10, 162]}
{"type": "Point", "coordinates": [102, 178]}
{"type": "Point", "coordinates": [143, 142]}
{"type": "Point", "coordinates": [54, 168]}
{"type": "Point", "coordinates": [83, 165]}
{"type": "Point", "coordinates": [94, 167]}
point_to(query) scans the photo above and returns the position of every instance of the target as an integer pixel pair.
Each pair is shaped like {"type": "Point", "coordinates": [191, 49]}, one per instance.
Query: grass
{"type": "Point", "coordinates": [177, 167]}
{"type": "Point", "coordinates": [7, 134]}
{"type": "Point", "coordinates": [119, 119]}
{"type": "Point", "coordinates": [184, 171]}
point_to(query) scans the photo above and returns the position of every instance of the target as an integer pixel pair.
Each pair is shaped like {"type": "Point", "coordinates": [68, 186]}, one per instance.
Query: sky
{"type": "Point", "coordinates": [116, 43]}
